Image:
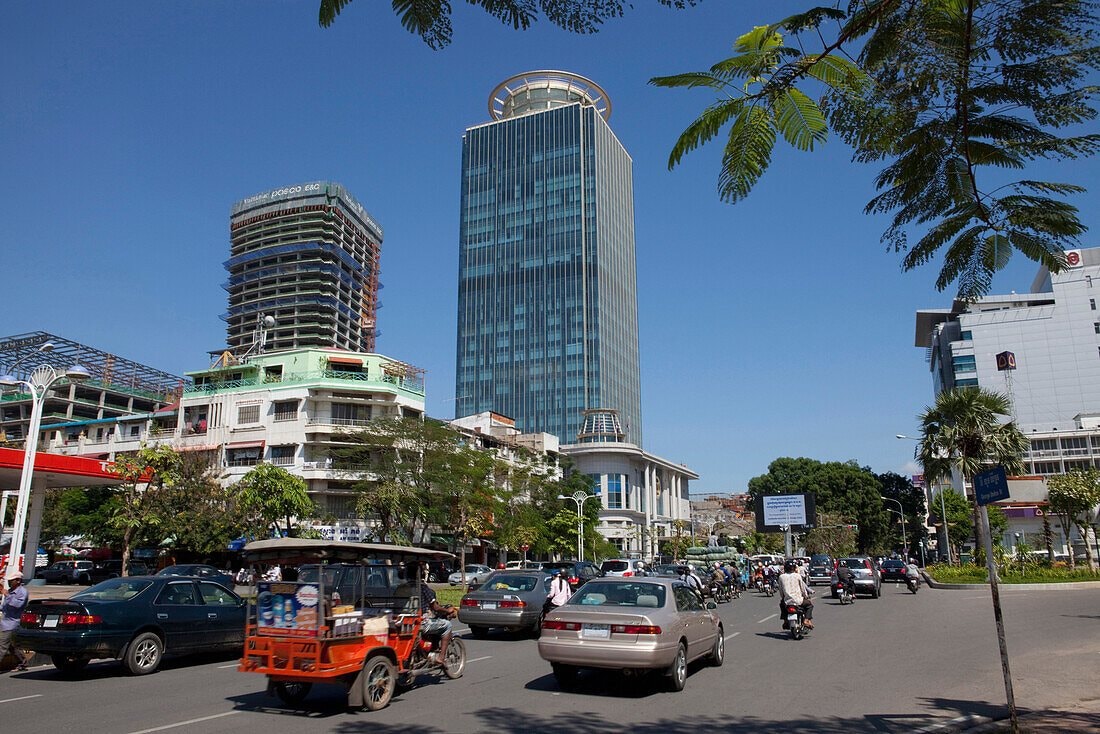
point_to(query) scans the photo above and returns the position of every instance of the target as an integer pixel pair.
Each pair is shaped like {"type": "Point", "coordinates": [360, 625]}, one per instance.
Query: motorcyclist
{"type": "Point", "coordinates": [912, 572]}
{"type": "Point", "coordinates": [689, 578]}
{"type": "Point", "coordinates": [793, 590]}
{"type": "Point", "coordinates": [436, 617]}
{"type": "Point", "coordinates": [847, 577]}
{"type": "Point", "coordinates": [717, 575]}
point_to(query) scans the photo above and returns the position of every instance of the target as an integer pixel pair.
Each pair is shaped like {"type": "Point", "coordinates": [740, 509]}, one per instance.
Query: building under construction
{"type": "Point", "coordinates": [118, 387]}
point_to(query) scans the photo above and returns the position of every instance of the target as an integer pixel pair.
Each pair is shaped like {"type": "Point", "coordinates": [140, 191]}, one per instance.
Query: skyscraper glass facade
{"type": "Point", "coordinates": [547, 304]}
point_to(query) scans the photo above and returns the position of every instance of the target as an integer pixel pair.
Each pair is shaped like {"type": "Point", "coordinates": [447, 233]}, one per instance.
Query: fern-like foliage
{"type": "Point", "coordinates": [431, 19]}
{"type": "Point", "coordinates": [950, 96]}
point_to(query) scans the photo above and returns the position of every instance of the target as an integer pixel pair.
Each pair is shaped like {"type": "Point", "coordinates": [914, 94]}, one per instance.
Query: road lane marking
{"type": "Point", "coordinates": [731, 635]}
{"type": "Point", "coordinates": [765, 619]}
{"type": "Point", "coordinates": [21, 698]}
{"type": "Point", "coordinates": [185, 723]}
{"type": "Point", "coordinates": [232, 665]}
{"type": "Point", "coordinates": [478, 660]}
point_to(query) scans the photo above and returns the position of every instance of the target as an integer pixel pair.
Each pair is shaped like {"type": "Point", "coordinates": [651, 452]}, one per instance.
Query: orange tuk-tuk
{"type": "Point", "coordinates": [349, 618]}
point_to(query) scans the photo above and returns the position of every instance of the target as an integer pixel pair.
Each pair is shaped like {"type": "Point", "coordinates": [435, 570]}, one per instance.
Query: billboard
{"type": "Point", "coordinates": [776, 513]}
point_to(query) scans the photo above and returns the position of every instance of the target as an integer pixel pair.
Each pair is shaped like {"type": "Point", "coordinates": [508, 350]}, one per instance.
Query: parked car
{"type": "Point", "coordinates": [511, 599]}
{"type": "Point", "coordinates": [579, 573]}
{"type": "Point", "coordinates": [867, 578]}
{"type": "Point", "coordinates": [67, 572]}
{"type": "Point", "coordinates": [623, 567]}
{"type": "Point", "coordinates": [437, 571]}
{"type": "Point", "coordinates": [112, 569]}
{"type": "Point", "coordinates": [475, 574]}
{"type": "Point", "coordinates": [524, 565]}
{"type": "Point", "coordinates": [892, 570]}
{"type": "Point", "coordinates": [821, 569]}
{"type": "Point", "coordinates": [201, 571]}
{"type": "Point", "coordinates": [669, 570]}
{"type": "Point", "coordinates": [637, 624]}
{"type": "Point", "coordinates": [137, 619]}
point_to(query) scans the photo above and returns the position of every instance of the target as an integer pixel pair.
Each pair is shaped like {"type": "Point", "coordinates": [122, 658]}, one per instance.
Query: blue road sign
{"type": "Point", "coordinates": [991, 485]}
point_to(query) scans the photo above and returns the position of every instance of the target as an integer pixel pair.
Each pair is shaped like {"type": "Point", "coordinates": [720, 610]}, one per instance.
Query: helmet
{"type": "Point", "coordinates": [717, 564]}
{"type": "Point", "coordinates": [682, 568]}
{"type": "Point", "coordinates": [789, 566]}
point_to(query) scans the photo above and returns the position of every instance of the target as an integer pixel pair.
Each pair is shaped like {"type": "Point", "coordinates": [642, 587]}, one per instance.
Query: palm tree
{"type": "Point", "coordinates": [965, 430]}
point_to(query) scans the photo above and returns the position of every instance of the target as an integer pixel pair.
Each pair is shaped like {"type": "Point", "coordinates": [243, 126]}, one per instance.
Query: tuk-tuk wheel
{"type": "Point", "coordinates": [292, 694]}
{"type": "Point", "coordinates": [379, 682]}
{"type": "Point", "coordinates": [455, 662]}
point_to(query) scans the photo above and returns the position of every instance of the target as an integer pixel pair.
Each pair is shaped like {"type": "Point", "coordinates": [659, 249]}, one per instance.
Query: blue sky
{"type": "Point", "coordinates": [776, 327]}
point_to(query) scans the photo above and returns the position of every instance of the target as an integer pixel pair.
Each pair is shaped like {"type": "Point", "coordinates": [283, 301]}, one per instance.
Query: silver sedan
{"type": "Point", "coordinates": [632, 625]}
{"type": "Point", "coordinates": [509, 599]}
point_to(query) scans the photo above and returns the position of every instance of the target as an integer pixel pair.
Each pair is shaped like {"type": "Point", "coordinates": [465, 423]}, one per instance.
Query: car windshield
{"type": "Point", "coordinates": [614, 566]}
{"type": "Point", "coordinates": [511, 582]}
{"type": "Point", "coordinates": [854, 563]}
{"type": "Point", "coordinates": [818, 560]}
{"type": "Point", "coordinates": [114, 590]}
{"type": "Point", "coordinates": [177, 571]}
{"type": "Point", "coordinates": [474, 569]}
{"type": "Point", "coordinates": [596, 593]}
{"type": "Point", "coordinates": [893, 564]}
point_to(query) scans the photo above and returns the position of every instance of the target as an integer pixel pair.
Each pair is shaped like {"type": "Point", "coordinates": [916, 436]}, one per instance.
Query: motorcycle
{"type": "Point", "coordinates": [421, 659]}
{"type": "Point", "coordinates": [720, 592]}
{"type": "Point", "coordinates": [769, 587]}
{"type": "Point", "coordinates": [795, 622]}
{"type": "Point", "coordinates": [912, 583]}
{"type": "Point", "coordinates": [844, 593]}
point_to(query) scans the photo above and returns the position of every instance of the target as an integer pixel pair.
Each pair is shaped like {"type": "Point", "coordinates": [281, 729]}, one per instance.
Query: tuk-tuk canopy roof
{"type": "Point", "coordinates": [307, 550]}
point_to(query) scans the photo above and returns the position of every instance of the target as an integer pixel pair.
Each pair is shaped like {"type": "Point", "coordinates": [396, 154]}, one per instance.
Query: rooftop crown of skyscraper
{"type": "Point", "coordinates": [535, 91]}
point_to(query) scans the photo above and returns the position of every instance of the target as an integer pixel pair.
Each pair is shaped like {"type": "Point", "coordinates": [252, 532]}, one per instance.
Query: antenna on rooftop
{"type": "Point", "coordinates": [259, 336]}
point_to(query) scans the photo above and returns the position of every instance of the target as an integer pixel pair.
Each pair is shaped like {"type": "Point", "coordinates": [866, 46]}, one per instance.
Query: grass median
{"type": "Point", "coordinates": [969, 573]}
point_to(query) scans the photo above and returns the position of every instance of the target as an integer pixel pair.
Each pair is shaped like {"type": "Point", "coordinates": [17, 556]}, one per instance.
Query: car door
{"type": "Point", "coordinates": [180, 613]}
{"type": "Point", "coordinates": [224, 616]}
{"type": "Point", "coordinates": [690, 619]}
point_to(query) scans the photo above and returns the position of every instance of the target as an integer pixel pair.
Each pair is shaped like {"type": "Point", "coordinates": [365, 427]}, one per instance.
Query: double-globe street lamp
{"type": "Point", "coordinates": [39, 382]}
{"type": "Point", "coordinates": [904, 537]}
{"type": "Point", "coordinates": [580, 498]}
{"type": "Point", "coordinates": [943, 508]}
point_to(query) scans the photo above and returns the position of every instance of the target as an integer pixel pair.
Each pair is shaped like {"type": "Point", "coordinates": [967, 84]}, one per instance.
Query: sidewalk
{"type": "Point", "coordinates": [1082, 718]}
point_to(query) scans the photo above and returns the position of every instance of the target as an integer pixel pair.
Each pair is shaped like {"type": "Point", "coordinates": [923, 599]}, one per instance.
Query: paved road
{"type": "Point", "coordinates": [901, 663]}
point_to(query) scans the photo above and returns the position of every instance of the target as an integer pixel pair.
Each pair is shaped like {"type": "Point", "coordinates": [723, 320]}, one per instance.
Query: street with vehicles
{"type": "Point", "coordinates": [947, 677]}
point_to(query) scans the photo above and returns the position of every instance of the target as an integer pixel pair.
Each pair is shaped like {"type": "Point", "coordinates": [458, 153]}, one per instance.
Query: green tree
{"type": "Point", "coordinates": [81, 511]}
{"type": "Point", "coordinates": [949, 95]}
{"type": "Point", "coordinates": [900, 488]}
{"type": "Point", "coordinates": [960, 517]}
{"type": "Point", "coordinates": [1075, 497]}
{"type": "Point", "coordinates": [964, 431]}
{"type": "Point", "coordinates": [843, 489]}
{"type": "Point", "coordinates": [431, 19]}
{"type": "Point", "coordinates": [134, 509]}
{"type": "Point", "coordinates": [267, 494]}
{"type": "Point", "coordinates": [397, 462]}
{"type": "Point", "coordinates": [197, 511]}
{"type": "Point", "coordinates": [833, 536]}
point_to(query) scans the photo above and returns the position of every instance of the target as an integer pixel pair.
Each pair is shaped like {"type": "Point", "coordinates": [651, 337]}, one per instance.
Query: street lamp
{"type": "Point", "coordinates": [904, 537]}
{"type": "Point", "coordinates": [39, 382]}
{"type": "Point", "coordinates": [943, 510]}
{"type": "Point", "coordinates": [580, 498]}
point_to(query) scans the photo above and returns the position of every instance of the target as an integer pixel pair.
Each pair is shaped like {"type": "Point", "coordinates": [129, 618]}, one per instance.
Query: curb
{"type": "Point", "coordinates": [1075, 585]}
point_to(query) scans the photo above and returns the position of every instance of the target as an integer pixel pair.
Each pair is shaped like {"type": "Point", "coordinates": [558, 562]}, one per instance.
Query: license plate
{"type": "Point", "coordinates": [596, 631]}
{"type": "Point", "coordinates": [792, 617]}
{"type": "Point", "coordinates": [488, 605]}
{"type": "Point", "coordinates": [51, 620]}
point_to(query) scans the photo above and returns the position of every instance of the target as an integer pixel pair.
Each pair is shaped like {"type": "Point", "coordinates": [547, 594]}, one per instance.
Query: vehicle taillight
{"type": "Point", "coordinates": [512, 604]}
{"type": "Point", "coordinates": [469, 602]}
{"type": "Point", "coordinates": [628, 573]}
{"type": "Point", "coordinates": [28, 618]}
{"type": "Point", "coordinates": [555, 624]}
{"type": "Point", "coordinates": [79, 620]}
{"type": "Point", "coordinates": [574, 580]}
{"type": "Point", "coordinates": [635, 629]}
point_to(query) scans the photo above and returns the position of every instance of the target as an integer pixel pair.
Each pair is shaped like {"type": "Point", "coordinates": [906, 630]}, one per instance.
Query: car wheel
{"type": "Point", "coordinates": [144, 653]}
{"type": "Point", "coordinates": [68, 664]}
{"type": "Point", "coordinates": [432, 578]}
{"type": "Point", "coordinates": [379, 682]}
{"type": "Point", "coordinates": [292, 694]}
{"type": "Point", "coordinates": [718, 653]}
{"type": "Point", "coordinates": [455, 662]}
{"type": "Point", "coordinates": [677, 672]}
{"type": "Point", "coordinates": [479, 632]}
{"type": "Point", "coordinates": [565, 675]}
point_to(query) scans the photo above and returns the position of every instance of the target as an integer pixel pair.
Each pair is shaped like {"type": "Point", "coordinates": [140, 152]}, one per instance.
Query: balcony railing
{"type": "Point", "coordinates": [414, 386]}
{"type": "Point", "coordinates": [282, 460]}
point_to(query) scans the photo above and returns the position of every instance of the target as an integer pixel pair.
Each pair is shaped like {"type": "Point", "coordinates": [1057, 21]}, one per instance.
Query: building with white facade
{"type": "Point", "coordinates": [1042, 349]}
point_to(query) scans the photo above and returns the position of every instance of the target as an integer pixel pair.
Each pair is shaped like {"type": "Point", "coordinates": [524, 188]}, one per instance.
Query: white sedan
{"type": "Point", "coordinates": [475, 575]}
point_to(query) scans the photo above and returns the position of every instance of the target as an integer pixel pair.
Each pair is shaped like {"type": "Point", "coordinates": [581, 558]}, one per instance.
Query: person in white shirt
{"type": "Point", "coordinates": [559, 591]}
{"type": "Point", "coordinates": [793, 590]}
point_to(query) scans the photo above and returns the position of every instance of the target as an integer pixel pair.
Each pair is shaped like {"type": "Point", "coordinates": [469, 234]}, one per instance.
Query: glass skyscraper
{"type": "Point", "coordinates": [547, 294]}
